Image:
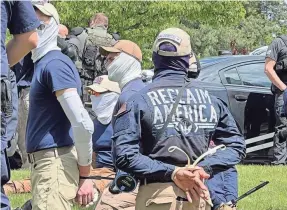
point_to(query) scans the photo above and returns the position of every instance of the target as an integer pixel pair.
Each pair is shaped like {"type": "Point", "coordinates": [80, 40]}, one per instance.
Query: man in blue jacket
{"type": "Point", "coordinates": [124, 67]}
{"type": "Point", "coordinates": [104, 95]}
{"type": "Point", "coordinates": [145, 134]}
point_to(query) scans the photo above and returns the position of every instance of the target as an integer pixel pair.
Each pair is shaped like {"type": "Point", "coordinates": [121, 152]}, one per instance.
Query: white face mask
{"type": "Point", "coordinates": [47, 40]}
{"type": "Point", "coordinates": [124, 69]}
{"type": "Point", "coordinates": [103, 106]}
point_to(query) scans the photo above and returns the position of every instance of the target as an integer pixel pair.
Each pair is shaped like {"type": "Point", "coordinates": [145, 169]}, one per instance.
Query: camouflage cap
{"type": "Point", "coordinates": [175, 36]}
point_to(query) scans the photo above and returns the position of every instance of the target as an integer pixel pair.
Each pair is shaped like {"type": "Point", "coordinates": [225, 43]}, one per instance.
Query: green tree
{"type": "Point", "coordinates": [141, 21]}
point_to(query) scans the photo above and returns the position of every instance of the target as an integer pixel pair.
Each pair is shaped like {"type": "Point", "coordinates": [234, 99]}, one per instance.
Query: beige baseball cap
{"type": "Point", "coordinates": [177, 37]}
{"type": "Point", "coordinates": [102, 84]}
{"type": "Point", "coordinates": [125, 46]}
{"type": "Point", "coordinates": [48, 9]}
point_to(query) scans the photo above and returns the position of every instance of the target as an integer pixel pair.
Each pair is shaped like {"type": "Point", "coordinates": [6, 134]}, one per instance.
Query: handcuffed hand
{"type": "Point", "coordinates": [190, 180]}
{"type": "Point", "coordinates": [85, 194]}
{"type": "Point", "coordinates": [96, 198]}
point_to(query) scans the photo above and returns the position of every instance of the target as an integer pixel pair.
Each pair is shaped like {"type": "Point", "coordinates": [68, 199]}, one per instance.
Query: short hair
{"type": "Point", "coordinates": [99, 19]}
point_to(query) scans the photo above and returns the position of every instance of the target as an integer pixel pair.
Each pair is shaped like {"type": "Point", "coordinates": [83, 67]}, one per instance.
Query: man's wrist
{"type": "Point", "coordinates": [168, 173]}
{"type": "Point", "coordinates": [206, 168]}
{"type": "Point", "coordinates": [84, 171]}
{"type": "Point", "coordinates": [174, 172]}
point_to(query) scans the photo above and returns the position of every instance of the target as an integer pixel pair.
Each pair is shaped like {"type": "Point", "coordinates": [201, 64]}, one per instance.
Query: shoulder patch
{"type": "Point", "coordinates": [122, 109]}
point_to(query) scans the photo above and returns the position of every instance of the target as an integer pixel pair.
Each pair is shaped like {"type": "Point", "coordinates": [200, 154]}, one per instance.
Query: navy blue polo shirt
{"type": "Point", "coordinates": [102, 143]}
{"type": "Point", "coordinates": [48, 125]}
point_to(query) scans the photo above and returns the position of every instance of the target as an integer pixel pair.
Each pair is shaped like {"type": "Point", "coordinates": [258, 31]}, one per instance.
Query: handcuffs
{"type": "Point", "coordinates": [209, 152]}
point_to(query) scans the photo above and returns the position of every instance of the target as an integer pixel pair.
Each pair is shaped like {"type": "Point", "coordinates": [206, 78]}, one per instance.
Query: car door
{"type": "Point", "coordinates": [252, 105]}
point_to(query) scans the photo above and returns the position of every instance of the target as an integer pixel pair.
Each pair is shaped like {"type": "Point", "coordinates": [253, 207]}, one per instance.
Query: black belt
{"type": "Point", "coordinates": [146, 181]}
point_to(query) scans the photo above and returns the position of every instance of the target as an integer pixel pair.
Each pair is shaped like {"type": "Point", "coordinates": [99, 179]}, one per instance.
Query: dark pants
{"type": "Point", "coordinates": [280, 151]}
{"type": "Point", "coordinates": [12, 121]}
{"type": "Point", "coordinates": [5, 176]}
{"type": "Point", "coordinates": [8, 129]}
{"type": "Point", "coordinates": [223, 187]}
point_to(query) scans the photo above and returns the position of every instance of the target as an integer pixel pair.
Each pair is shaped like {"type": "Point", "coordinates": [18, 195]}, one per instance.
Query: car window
{"type": "Point", "coordinates": [232, 77]}
{"type": "Point", "coordinates": [209, 77]}
{"type": "Point", "coordinates": [253, 75]}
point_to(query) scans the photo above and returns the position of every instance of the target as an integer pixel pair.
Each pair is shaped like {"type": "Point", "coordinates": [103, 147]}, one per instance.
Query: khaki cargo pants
{"type": "Point", "coordinates": [163, 196]}
{"type": "Point", "coordinates": [54, 178]}
{"type": "Point", "coordinates": [121, 201]}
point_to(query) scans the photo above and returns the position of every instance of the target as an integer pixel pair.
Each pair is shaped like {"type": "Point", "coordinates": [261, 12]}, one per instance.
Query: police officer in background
{"type": "Point", "coordinates": [19, 17]}
{"type": "Point", "coordinates": [147, 128]}
{"type": "Point", "coordinates": [83, 49]}
{"type": "Point", "coordinates": [276, 70]}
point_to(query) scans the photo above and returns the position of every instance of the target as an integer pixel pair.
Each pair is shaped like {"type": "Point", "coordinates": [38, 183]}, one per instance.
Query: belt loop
{"type": "Point", "coordinates": [56, 153]}
{"type": "Point", "coordinates": [145, 182]}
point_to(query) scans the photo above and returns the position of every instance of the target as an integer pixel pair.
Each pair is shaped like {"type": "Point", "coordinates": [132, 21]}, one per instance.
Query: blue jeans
{"type": "Point", "coordinates": [223, 187]}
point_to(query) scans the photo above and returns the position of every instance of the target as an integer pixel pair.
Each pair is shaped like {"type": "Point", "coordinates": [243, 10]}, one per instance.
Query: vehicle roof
{"type": "Point", "coordinates": [228, 60]}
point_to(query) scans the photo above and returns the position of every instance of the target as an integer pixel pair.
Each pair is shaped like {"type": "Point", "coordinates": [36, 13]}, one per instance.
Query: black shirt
{"type": "Point", "coordinates": [277, 51]}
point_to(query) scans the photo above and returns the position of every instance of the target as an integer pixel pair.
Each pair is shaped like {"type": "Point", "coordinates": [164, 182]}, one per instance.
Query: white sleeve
{"type": "Point", "coordinates": [82, 125]}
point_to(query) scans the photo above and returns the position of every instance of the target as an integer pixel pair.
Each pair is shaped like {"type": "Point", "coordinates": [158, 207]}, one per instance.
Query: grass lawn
{"type": "Point", "coordinates": [271, 197]}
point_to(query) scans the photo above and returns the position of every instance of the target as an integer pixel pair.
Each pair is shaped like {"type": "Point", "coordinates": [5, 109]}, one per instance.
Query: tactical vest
{"type": "Point", "coordinates": [281, 64]}
{"type": "Point", "coordinates": [90, 63]}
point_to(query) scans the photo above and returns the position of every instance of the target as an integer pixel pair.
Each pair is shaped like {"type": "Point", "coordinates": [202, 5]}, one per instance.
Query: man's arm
{"type": "Point", "coordinates": [82, 127]}
{"type": "Point", "coordinates": [272, 75]}
{"type": "Point", "coordinates": [20, 45]}
{"type": "Point", "coordinates": [228, 134]}
{"type": "Point", "coordinates": [127, 128]}
{"type": "Point", "coordinates": [60, 78]}
{"type": "Point", "coordinates": [22, 25]}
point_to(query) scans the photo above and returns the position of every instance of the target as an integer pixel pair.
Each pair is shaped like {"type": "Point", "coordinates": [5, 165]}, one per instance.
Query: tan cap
{"type": "Point", "coordinates": [48, 9]}
{"type": "Point", "coordinates": [103, 84]}
{"type": "Point", "coordinates": [177, 37]}
{"type": "Point", "coordinates": [125, 46]}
